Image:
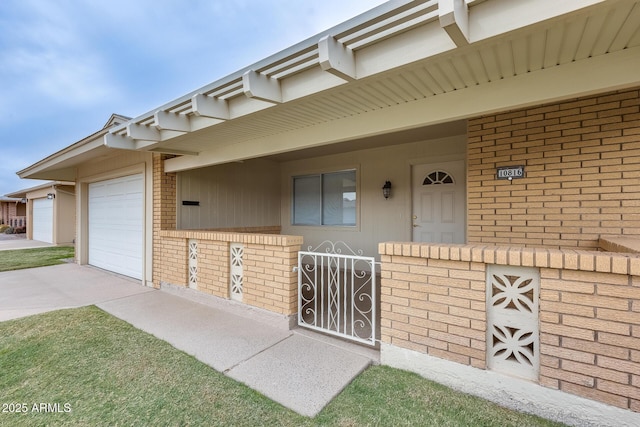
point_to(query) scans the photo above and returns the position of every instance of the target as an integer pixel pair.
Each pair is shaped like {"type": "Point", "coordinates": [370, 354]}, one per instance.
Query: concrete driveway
{"type": "Point", "coordinates": [37, 290]}
{"type": "Point", "coordinates": [19, 241]}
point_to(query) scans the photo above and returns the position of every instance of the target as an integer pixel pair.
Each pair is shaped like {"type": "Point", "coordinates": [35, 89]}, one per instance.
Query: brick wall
{"type": "Point", "coordinates": [213, 267]}
{"type": "Point", "coordinates": [582, 165]}
{"type": "Point", "coordinates": [164, 218]}
{"type": "Point", "coordinates": [433, 306]}
{"type": "Point", "coordinates": [171, 267]}
{"type": "Point", "coordinates": [269, 281]}
{"type": "Point", "coordinates": [590, 340]}
{"type": "Point", "coordinates": [433, 300]}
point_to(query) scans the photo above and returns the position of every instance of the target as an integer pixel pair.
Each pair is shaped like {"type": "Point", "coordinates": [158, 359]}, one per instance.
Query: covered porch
{"type": "Point", "coordinates": [548, 88]}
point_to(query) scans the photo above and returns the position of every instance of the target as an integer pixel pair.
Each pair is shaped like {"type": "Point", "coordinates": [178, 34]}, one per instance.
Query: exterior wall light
{"type": "Point", "coordinates": [386, 189]}
{"type": "Point", "coordinates": [51, 196]}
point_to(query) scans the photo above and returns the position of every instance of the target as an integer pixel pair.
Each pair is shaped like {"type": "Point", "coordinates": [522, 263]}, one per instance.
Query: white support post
{"type": "Point", "coordinates": [112, 140]}
{"type": "Point", "coordinates": [146, 133]}
{"type": "Point", "coordinates": [258, 86]}
{"type": "Point", "coordinates": [172, 121]}
{"type": "Point", "coordinates": [336, 59]}
{"type": "Point", "coordinates": [206, 106]}
{"type": "Point", "coordinates": [454, 18]}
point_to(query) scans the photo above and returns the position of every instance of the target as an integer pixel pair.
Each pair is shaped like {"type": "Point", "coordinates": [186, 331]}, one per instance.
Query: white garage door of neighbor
{"type": "Point", "coordinates": [43, 220]}
{"type": "Point", "coordinates": [116, 210]}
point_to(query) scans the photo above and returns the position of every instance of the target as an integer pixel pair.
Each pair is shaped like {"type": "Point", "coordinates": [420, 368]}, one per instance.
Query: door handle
{"type": "Point", "coordinates": [415, 225]}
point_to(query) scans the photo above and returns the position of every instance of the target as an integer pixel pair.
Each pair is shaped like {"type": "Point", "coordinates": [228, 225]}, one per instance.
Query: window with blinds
{"type": "Point", "coordinates": [325, 199]}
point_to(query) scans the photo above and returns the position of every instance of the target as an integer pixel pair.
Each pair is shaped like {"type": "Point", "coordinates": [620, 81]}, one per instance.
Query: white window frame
{"type": "Point", "coordinates": [321, 222]}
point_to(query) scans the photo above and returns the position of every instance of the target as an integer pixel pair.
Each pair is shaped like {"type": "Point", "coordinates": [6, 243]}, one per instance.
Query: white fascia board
{"type": "Point", "coordinates": [258, 86]}
{"type": "Point", "coordinates": [336, 59]}
{"type": "Point", "coordinates": [581, 78]}
{"type": "Point", "coordinates": [87, 144]}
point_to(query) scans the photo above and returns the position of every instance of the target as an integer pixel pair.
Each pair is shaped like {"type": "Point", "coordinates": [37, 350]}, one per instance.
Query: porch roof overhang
{"type": "Point", "coordinates": [403, 66]}
{"type": "Point", "coordinates": [61, 166]}
{"type": "Point", "coordinates": [20, 194]}
{"type": "Point", "coordinates": [9, 199]}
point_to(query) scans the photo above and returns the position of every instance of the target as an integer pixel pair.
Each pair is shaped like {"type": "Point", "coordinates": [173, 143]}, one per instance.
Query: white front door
{"type": "Point", "coordinates": [439, 202]}
{"type": "Point", "coordinates": [43, 220]}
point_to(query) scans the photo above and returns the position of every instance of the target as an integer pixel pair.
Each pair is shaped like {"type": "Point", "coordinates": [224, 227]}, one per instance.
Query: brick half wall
{"type": "Point", "coordinates": [269, 281]}
{"type": "Point", "coordinates": [434, 301]}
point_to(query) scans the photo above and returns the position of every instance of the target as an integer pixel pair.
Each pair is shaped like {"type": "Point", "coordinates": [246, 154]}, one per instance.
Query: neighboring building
{"type": "Point", "coordinates": [50, 212]}
{"type": "Point", "coordinates": [109, 208]}
{"type": "Point", "coordinates": [13, 212]}
{"type": "Point", "coordinates": [509, 133]}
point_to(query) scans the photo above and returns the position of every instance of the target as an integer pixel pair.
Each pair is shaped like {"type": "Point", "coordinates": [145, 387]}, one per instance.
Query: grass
{"type": "Point", "coordinates": [36, 257]}
{"type": "Point", "coordinates": [109, 373]}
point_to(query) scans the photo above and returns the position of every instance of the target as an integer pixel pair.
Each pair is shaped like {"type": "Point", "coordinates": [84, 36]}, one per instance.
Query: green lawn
{"type": "Point", "coordinates": [36, 257]}
{"type": "Point", "coordinates": [101, 371]}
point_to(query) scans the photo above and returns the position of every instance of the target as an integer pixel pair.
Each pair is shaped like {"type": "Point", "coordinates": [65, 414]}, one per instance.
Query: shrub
{"type": "Point", "coordinates": [8, 230]}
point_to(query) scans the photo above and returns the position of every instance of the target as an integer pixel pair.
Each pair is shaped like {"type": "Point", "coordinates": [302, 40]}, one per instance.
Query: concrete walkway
{"type": "Point", "coordinates": [300, 370]}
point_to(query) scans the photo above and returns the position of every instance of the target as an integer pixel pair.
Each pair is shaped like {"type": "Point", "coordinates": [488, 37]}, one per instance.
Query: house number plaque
{"type": "Point", "coordinates": [511, 172]}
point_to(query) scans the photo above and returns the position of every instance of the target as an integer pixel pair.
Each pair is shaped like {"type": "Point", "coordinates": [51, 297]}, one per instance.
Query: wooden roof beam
{"type": "Point", "coordinates": [336, 58]}
{"type": "Point", "coordinates": [259, 86]}
{"type": "Point", "coordinates": [122, 142]}
{"type": "Point", "coordinates": [206, 106]}
{"type": "Point", "coordinates": [137, 131]}
{"type": "Point", "coordinates": [454, 19]}
{"type": "Point", "coordinates": [172, 121]}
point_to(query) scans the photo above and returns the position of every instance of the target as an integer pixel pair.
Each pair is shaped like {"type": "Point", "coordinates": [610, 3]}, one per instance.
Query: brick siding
{"type": "Point", "coordinates": [582, 165]}
{"type": "Point", "coordinates": [164, 218]}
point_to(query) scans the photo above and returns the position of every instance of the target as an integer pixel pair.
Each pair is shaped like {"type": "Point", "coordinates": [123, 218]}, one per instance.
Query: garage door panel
{"type": "Point", "coordinates": [115, 225]}
{"type": "Point", "coordinates": [42, 222]}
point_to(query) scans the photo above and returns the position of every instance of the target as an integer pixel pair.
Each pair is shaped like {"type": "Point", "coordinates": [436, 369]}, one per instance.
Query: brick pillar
{"type": "Point", "coordinates": [164, 208]}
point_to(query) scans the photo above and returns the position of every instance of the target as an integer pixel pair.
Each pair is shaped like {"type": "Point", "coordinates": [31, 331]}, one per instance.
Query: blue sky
{"type": "Point", "coordinates": [67, 65]}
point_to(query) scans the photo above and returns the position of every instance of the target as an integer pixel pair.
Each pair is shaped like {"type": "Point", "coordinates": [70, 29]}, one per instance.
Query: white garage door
{"type": "Point", "coordinates": [116, 208]}
{"type": "Point", "coordinates": [43, 220]}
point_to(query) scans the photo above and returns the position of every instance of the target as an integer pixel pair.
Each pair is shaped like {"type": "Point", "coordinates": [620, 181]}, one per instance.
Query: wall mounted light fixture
{"type": "Point", "coordinates": [51, 196]}
{"type": "Point", "coordinates": [386, 189]}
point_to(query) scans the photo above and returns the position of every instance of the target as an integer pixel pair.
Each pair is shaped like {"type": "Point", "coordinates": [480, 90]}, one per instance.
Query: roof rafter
{"type": "Point", "coordinates": [454, 18]}
{"type": "Point", "coordinates": [261, 87]}
{"type": "Point", "coordinates": [336, 58]}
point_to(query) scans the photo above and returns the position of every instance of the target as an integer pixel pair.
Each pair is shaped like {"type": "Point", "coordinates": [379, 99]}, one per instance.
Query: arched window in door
{"type": "Point", "coordinates": [438, 177]}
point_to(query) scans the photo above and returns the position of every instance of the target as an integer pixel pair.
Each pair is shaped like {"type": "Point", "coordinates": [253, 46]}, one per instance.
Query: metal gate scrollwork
{"type": "Point", "coordinates": [337, 292]}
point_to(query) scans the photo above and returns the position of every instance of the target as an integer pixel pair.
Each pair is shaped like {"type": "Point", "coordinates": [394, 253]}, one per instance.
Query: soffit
{"type": "Point", "coordinates": [399, 53]}
{"type": "Point", "coordinates": [594, 31]}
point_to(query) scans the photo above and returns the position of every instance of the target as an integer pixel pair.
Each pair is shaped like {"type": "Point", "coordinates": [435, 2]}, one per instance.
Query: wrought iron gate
{"type": "Point", "coordinates": [337, 292]}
